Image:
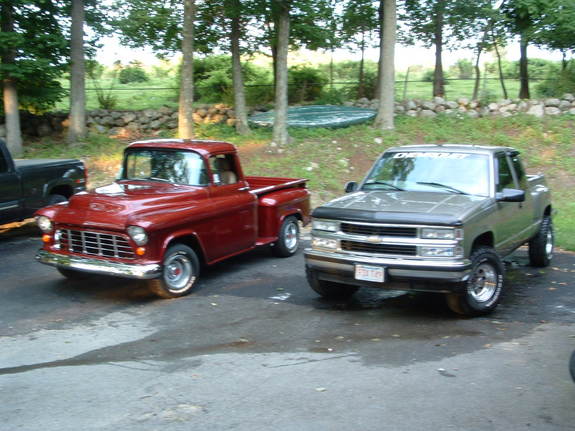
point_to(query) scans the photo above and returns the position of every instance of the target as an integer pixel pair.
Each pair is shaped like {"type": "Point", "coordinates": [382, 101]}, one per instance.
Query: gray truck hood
{"type": "Point", "coordinates": [403, 207]}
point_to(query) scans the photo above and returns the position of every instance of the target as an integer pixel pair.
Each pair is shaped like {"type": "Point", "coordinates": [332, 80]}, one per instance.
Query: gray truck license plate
{"type": "Point", "coordinates": [370, 273]}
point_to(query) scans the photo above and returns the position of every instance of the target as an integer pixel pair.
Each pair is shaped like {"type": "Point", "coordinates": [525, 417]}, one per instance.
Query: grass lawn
{"type": "Point", "coordinates": [343, 155]}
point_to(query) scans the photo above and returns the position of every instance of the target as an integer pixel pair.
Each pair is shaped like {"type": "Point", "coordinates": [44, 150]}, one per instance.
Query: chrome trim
{"type": "Point", "coordinates": [97, 266]}
{"type": "Point", "coordinates": [351, 258]}
{"type": "Point", "coordinates": [9, 207]}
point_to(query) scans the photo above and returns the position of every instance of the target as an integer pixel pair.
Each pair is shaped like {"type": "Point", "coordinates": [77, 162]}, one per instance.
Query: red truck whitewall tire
{"type": "Point", "coordinates": [181, 269]}
{"type": "Point", "coordinates": [480, 294]}
{"type": "Point", "coordinates": [288, 238]}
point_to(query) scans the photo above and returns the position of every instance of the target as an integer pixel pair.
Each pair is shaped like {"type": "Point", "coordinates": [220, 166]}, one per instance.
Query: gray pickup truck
{"type": "Point", "coordinates": [27, 185]}
{"type": "Point", "coordinates": [433, 218]}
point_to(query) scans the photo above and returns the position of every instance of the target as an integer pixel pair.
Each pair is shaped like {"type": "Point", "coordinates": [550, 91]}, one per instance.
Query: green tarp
{"type": "Point", "coordinates": [317, 116]}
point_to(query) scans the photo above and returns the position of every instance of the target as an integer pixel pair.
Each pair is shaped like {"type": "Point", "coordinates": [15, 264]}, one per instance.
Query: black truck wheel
{"type": "Point", "coordinates": [181, 270]}
{"type": "Point", "coordinates": [56, 199]}
{"type": "Point", "coordinates": [481, 293]}
{"type": "Point", "coordinates": [288, 238]}
{"type": "Point", "coordinates": [541, 245]}
{"type": "Point", "coordinates": [329, 289]}
{"type": "Point", "coordinates": [572, 366]}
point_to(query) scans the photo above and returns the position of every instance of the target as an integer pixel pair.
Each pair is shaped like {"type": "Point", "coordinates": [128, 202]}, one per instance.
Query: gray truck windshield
{"type": "Point", "coordinates": [178, 167]}
{"type": "Point", "coordinates": [446, 172]}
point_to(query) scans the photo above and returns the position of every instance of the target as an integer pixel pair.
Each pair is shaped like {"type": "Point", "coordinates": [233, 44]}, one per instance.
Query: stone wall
{"type": "Point", "coordinates": [122, 123]}
{"type": "Point", "coordinates": [474, 108]}
{"type": "Point", "coordinates": [149, 121]}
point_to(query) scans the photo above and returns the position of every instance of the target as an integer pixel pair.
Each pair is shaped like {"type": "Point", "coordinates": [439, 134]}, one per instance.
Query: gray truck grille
{"type": "Point", "coordinates": [363, 247]}
{"type": "Point", "coordinates": [362, 229]}
{"type": "Point", "coordinates": [95, 243]}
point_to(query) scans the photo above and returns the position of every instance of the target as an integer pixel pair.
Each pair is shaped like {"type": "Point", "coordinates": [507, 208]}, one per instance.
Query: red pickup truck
{"type": "Point", "coordinates": [176, 205]}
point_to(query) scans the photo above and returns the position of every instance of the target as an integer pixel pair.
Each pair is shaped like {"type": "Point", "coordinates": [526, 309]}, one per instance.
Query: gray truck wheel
{"type": "Point", "coordinates": [541, 245]}
{"type": "Point", "coordinates": [181, 270]}
{"type": "Point", "coordinates": [482, 292]}
{"type": "Point", "coordinates": [329, 289]}
{"type": "Point", "coordinates": [288, 238]}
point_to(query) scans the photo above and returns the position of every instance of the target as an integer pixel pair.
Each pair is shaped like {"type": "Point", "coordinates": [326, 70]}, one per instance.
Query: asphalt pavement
{"type": "Point", "coordinates": [254, 348]}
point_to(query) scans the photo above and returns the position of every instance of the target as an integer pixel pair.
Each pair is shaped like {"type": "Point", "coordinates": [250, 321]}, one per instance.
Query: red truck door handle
{"type": "Point", "coordinates": [243, 189]}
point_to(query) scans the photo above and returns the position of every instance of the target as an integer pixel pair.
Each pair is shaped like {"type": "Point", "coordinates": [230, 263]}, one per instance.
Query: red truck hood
{"type": "Point", "coordinates": [113, 206]}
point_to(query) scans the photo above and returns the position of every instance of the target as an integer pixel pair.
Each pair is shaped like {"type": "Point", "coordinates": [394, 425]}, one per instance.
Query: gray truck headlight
{"type": "Point", "coordinates": [327, 225]}
{"type": "Point", "coordinates": [44, 223]}
{"type": "Point", "coordinates": [138, 235]}
{"type": "Point", "coordinates": [434, 233]}
{"type": "Point", "coordinates": [441, 251]}
{"type": "Point", "coordinates": [323, 243]}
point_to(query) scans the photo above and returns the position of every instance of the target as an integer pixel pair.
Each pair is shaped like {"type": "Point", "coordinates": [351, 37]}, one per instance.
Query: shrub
{"type": "Point", "coordinates": [132, 74]}
{"type": "Point", "coordinates": [557, 84]}
{"type": "Point", "coordinates": [305, 84]}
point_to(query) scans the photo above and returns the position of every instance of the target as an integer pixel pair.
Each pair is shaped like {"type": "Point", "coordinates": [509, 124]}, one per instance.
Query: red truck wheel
{"type": "Point", "coordinates": [181, 270]}
{"type": "Point", "coordinates": [288, 238]}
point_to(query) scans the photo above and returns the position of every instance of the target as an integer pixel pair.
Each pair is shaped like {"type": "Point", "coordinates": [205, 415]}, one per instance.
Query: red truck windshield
{"type": "Point", "coordinates": [178, 167]}
{"type": "Point", "coordinates": [431, 171]}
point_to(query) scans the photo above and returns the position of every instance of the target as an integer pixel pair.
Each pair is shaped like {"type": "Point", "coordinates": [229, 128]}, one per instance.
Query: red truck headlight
{"type": "Point", "coordinates": [44, 223]}
{"type": "Point", "coordinates": [138, 235]}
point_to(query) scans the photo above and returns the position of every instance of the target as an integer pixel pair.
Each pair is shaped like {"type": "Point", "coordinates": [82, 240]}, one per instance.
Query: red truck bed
{"type": "Point", "coordinates": [261, 185]}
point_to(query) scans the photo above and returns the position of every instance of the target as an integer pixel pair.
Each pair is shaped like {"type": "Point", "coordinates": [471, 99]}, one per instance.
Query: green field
{"type": "Point", "coordinates": [162, 91]}
{"type": "Point", "coordinates": [345, 154]}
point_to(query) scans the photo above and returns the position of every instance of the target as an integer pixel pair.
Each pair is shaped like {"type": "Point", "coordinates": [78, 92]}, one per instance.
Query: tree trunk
{"type": "Point", "coordinates": [379, 64]}
{"type": "Point", "coordinates": [361, 86]}
{"type": "Point", "coordinates": [438, 82]}
{"type": "Point", "coordinates": [10, 89]}
{"type": "Point", "coordinates": [239, 91]}
{"type": "Point", "coordinates": [385, 112]}
{"type": "Point", "coordinates": [477, 73]}
{"type": "Point", "coordinates": [186, 108]}
{"type": "Point", "coordinates": [500, 70]}
{"type": "Point", "coordinates": [280, 133]}
{"type": "Point", "coordinates": [523, 71]}
{"type": "Point", "coordinates": [77, 129]}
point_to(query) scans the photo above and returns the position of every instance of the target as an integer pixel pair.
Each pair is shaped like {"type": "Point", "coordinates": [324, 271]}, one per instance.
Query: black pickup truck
{"type": "Point", "coordinates": [27, 185]}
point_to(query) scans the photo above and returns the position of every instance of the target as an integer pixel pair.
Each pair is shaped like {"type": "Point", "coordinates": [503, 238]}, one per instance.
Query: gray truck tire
{"type": "Point", "coordinates": [288, 238]}
{"type": "Point", "coordinates": [181, 269]}
{"type": "Point", "coordinates": [572, 366]}
{"type": "Point", "coordinates": [541, 245]}
{"type": "Point", "coordinates": [480, 294]}
{"type": "Point", "coordinates": [329, 289]}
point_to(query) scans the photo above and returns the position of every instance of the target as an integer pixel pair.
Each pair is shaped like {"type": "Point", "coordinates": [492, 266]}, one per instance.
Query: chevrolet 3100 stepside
{"type": "Point", "coordinates": [176, 204]}
{"type": "Point", "coordinates": [432, 218]}
{"type": "Point", "coordinates": [27, 185]}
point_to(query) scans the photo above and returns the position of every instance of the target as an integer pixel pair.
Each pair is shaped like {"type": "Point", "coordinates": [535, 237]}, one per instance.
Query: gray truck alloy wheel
{"type": "Point", "coordinates": [481, 293]}
{"type": "Point", "coordinates": [181, 270]}
{"type": "Point", "coordinates": [288, 238]}
{"type": "Point", "coordinates": [541, 245]}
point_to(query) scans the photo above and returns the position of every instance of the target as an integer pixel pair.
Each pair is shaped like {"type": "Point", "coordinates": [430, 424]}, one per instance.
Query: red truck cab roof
{"type": "Point", "coordinates": [203, 147]}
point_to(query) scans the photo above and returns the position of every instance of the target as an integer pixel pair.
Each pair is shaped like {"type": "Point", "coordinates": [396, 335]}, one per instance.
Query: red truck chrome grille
{"type": "Point", "coordinates": [404, 250]}
{"type": "Point", "coordinates": [95, 243]}
{"type": "Point", "coordinates": [362, 229]}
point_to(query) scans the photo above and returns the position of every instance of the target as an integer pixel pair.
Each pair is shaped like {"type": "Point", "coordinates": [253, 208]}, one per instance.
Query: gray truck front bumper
{"type": "Point", "coordinates": [401, 274]}
{"type": "Point", "coordinates": [98, 266]}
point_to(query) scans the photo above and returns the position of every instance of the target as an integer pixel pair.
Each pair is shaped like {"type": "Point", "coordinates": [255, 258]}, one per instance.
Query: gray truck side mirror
{"type": "Point", "coordinates": [351, 186]}
{"type": "Point", "coordinates": [510, 195]}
